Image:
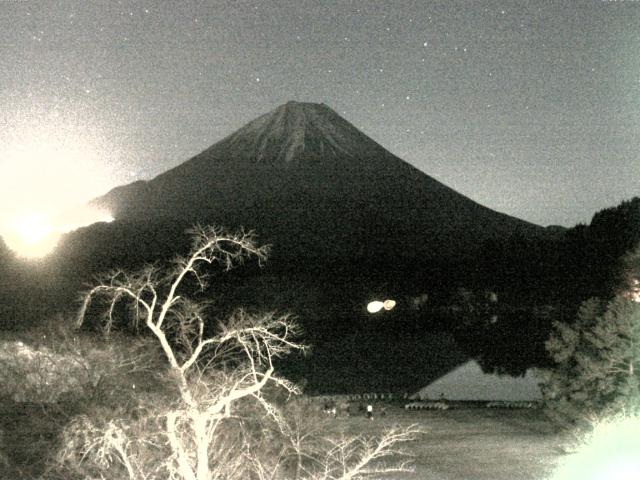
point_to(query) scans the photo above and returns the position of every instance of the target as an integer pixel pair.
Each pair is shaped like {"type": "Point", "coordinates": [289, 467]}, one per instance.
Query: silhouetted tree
{"type": "Point", "coordinates": [597, 357]}
{"type": "Point", "coordinates": [591, 254]}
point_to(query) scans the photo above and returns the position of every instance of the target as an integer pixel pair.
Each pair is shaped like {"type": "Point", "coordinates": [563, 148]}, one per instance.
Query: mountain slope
{"type": "Point", "coordinates": [348, 222]}
{"type": "Point", "coordinates": [313, 185]}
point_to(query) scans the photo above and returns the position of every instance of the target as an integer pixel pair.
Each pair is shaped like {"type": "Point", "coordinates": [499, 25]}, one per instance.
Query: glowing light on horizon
{"type": "Point", "coordinates": [30, 235]}
{"type": "Point", "coordinates": [81, 217]}
{"type": "Point", "coordinates": [48, 167]}
{"type": "Point", "coordinates": [33, 228]}
{"type": "Point", "coordinates": [43, 168]}
{"type": "Point", "coordinates": [34, 235]}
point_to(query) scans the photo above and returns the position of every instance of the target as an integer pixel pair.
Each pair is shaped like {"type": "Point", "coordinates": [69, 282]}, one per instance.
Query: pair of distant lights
{"type": "Point", "coordinates": [377, 305]}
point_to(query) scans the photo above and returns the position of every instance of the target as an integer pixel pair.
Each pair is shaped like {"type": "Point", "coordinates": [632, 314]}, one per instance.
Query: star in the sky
{"type": "Point", "coordinates": [359, 66]}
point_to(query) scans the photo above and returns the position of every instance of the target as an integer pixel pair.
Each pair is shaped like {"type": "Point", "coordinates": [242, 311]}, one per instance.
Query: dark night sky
{"type": "Point", "coordinates": [531, 108]}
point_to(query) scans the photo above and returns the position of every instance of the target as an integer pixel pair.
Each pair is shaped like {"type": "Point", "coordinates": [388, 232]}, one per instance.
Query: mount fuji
{"type": "Point", "coordinates": [317, 189]}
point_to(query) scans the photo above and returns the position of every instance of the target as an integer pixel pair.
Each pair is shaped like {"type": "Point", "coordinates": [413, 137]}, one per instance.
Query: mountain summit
{"type": "Point", "coordinates": [314, 186]}
{"type": "Point", "coordinates": [296, 133]}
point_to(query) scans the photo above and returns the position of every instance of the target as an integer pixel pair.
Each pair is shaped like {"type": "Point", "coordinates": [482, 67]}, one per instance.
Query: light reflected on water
{"type": "Point", "coordinates": [377, 305]}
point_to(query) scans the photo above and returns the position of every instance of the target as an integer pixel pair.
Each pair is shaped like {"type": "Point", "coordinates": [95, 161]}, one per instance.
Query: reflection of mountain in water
{"type": "Point", "coordinates": [469, 383]}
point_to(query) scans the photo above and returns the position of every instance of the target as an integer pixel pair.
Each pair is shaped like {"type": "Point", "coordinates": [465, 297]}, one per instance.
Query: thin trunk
{"type": "Point", "coordinates": [181, 457]}
{"type": "Point", "coordinates": [202, 446]}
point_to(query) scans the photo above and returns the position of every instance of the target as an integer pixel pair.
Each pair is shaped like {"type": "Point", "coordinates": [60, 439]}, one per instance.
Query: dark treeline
{"type": "Point", "coordinates": [540, 281]}
{"type": "Point", "coordinates": [570, 265]}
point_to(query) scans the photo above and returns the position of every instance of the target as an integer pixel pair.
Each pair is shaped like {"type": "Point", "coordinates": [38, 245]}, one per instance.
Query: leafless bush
{"type": "Point", "coordinates": [218, 422]}
{"type": "Point", "coordinates": [315, 455]}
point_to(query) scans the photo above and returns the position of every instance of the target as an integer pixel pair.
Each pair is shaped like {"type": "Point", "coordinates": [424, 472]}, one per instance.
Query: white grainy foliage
{"type": "Point", "coordinates": [29, 374]}
{"type": "Point", "coordinates": [221, 417]}
{"type": "Point", "coordinates": [597, 356]}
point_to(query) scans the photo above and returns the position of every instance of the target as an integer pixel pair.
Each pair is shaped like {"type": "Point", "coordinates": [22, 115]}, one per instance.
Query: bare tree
{"type": "Point", "coordinates": [359, 457]}
{"type": "Point", "coordinates": [220, 378]}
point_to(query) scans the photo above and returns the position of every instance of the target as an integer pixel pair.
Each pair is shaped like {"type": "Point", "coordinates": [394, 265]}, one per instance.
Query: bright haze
{"type": "Point", "coordinates": [529, 108]}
